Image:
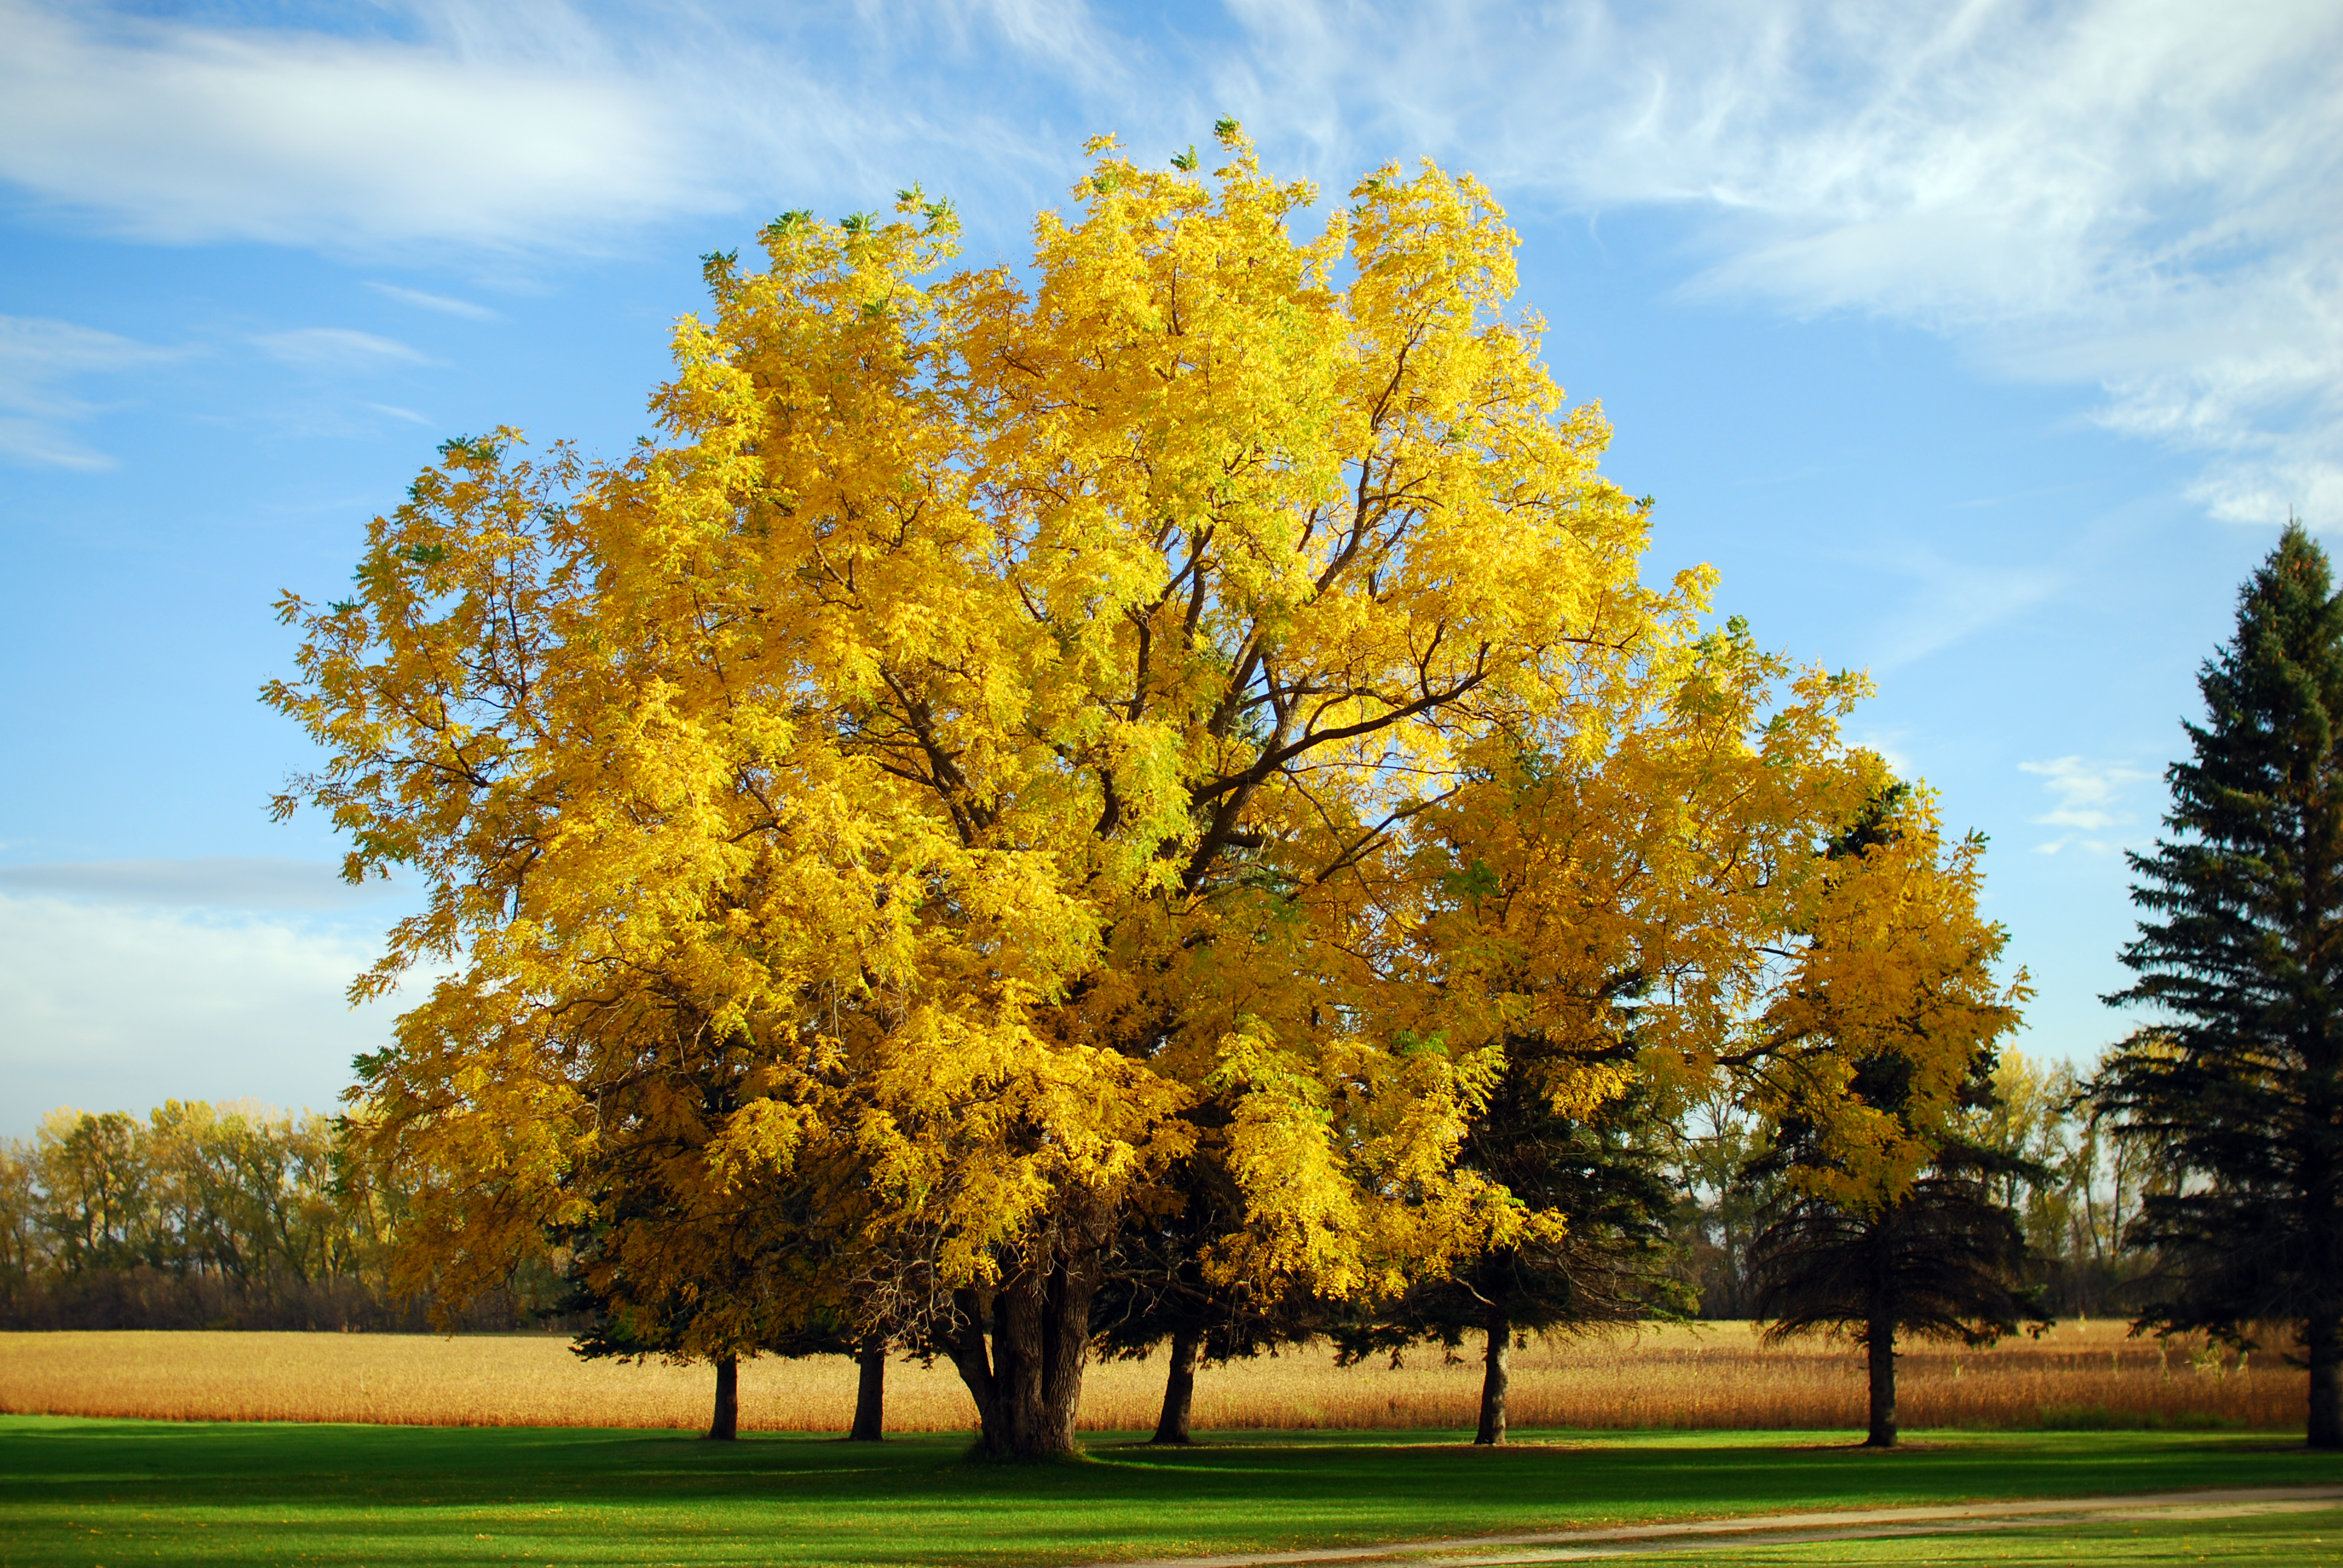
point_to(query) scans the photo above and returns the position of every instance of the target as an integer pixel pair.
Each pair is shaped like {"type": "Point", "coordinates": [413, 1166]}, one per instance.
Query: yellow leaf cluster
{"type": "Point", "coordinates": [1011, 721]}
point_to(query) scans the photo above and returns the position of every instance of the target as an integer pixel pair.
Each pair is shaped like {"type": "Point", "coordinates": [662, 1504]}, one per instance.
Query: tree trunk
{"type": "Point", "coordinates": [725, 1426]}
{"type": "Point", "coordinates": [1029, 1388]}
{"type": "Point", "coordinates": [869, 1394]}
{"type": "Point", "coordinates": [1880, 1344]}
{"type": "Point", "coordinates": [1179, 1389]}
{"type": "Point", "coordinates": [2322, 1343]}
{"type": "Point", "coordinates": [1496, 1374]}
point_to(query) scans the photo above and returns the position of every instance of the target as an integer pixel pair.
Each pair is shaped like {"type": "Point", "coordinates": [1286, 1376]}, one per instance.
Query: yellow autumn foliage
{"type": "Point", "coordinates": [1004, 715]}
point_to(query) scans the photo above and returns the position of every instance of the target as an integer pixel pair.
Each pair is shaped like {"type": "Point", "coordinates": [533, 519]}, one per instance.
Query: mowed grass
{"type": "Point", "coordinates": [1720, 1376]}
{"type": "Point", "coordinates": [111, 1492]}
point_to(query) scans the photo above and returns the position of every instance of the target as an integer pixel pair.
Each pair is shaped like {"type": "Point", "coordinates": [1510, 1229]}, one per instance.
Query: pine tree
{"type": "Point", "coordinates": [1941, 1262]}
{"type": "Point", "coordinates": [1607, 1171]}
{"type": "Point", "coordinates": [1159, 1287]}
{"type": "Point", "coordinates": [2238, 1081]}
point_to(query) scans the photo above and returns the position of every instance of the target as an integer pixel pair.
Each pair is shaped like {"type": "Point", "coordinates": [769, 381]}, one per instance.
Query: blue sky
{"type": "Point", "coordinates": [1983, 345]}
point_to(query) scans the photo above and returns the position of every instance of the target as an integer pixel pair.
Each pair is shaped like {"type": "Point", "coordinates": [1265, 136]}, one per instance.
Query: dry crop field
{"type": "Point", "coordinates": [1717, 1376]}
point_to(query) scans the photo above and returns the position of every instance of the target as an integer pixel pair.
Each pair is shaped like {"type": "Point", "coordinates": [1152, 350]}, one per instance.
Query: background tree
{"type": "Point", "coordinates": [1606, 1172]}
{"type": "Point", "coordinates": [1884, 1045]}
{"type": "Point", "coordinates": [200, 1216]}
{"type": "Point", "coordinates": [1162, 1289]}
{"type": "Point", "coordinates": [1724, 1192]}
{"type": "Point", "coordinates": [1596, 909]}
{"type": "Point", "coordinates": [2236, 1083]}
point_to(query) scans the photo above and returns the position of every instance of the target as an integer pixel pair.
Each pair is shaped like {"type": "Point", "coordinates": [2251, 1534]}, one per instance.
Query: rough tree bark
{"type": "Point", "coordinates": [1179, 1388]}
{"type": "Point", "coordinates": [2322, 1343]}
{"type": "Point", "coordinates": [1496, 1375]}
{"type": "Point", "coordinates": [1026, 1381]}
{"type": "Point", "coordinates": [726, 1424]}
{"type": "Point", "coordinates": [869, 1394]}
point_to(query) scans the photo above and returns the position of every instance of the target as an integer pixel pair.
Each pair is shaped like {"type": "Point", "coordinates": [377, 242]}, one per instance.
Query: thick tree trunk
{"type": "Point", "coordinates": [1029, 1388]}
{"type": "Point", "coordinates": [726, 1426]}
{"type": "Point", "coordinates": [2322, 1344]}
{"type": "Point", "coordinates": [869, 1394]}
{"type": "Point", "coordinates": [1496, 1374]}
{"type": "Point", "coordinates": [1179, 1389]}
{"type": "Point", "coordinates": [1881, 1335]}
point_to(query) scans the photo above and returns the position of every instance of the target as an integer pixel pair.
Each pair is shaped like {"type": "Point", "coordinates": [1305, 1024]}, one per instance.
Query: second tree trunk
{"type": "Point", "coordinates": [1179, 1389]}
{"type": "Point", "coordinates": [869, 1394]}
{"type": "Point", "coordinates": [726, 1424]}
{"type": "Point", "coordinates": [1881, 1348]}
{"type": "Point", "coordinates": [1495, 1376]}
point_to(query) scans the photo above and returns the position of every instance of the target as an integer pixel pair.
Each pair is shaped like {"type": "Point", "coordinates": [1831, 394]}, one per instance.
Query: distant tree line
{"type": "Point", "coordinates": [203, 1216]}
{"type": "Point", "coordinates": [235, 1217]}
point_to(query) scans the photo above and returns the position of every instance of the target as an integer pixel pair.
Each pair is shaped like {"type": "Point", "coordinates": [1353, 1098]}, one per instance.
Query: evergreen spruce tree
{"type": "Point", "coordinates": [2237, 1081]}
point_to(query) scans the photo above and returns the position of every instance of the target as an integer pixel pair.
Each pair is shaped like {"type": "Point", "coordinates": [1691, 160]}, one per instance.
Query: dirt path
{"type": "Point", "coordinates": [1788, 1529]}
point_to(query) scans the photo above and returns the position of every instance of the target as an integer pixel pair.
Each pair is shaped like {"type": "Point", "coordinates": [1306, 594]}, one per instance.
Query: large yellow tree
{"type": "Point", "coordinates": [983, 731]}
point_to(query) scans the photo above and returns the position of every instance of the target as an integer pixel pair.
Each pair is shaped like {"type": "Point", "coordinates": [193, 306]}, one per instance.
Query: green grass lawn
{"type": "Point", "coordinates": [115, 1492]}
{"type": "Point", "coordinates": [2271, 1542]}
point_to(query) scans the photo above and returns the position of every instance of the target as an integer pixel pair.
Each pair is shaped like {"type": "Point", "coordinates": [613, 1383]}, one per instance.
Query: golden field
{"type": "Point", "coordinates": [1717, 1375]}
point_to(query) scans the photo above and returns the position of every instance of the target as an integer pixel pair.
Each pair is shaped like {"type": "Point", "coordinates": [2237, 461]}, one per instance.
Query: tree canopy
{"type": "Point", "coordinates": [1007, 723]}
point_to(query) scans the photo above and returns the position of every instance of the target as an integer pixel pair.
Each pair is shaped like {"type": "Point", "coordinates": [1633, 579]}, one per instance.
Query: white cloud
{"type": "Point", "coordinates": [439, 302]}
{"type": "Point", "coordinates": [37, 358]}
{"type": "Point", "coordinates": [2130, 195]}
{"type": "Point", "coordinates": [106, 1007]}
{"type": "Point", "coordinates": [178, 132]}
{"type": "Point", "coordinates": [332, 348]}
{"type": "Point", "coordinates": [2087, 794]}
{"type": "Point", "coordinates": [2138, 195]}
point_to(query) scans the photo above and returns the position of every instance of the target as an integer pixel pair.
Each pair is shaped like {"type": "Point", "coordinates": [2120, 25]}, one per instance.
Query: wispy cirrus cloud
{"type": "Point", "coordinates": [335, 348]}
{"type": "Point", "coordinates": [2134, 196]}
{"type": "Point", "coordinates": [181, 132]}
{"type": "Point", "coordinates": [1953, 600]}
{"type": "Point", "coordinates": [442, 303]}
{"type": "Point", "coordinates": [40, 360]}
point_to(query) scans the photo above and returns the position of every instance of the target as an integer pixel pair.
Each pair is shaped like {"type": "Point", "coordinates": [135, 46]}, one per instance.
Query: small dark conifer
{"type": "Point", "coordinates": [1607, 1174]}
{"type": "Point", "coordinates": [1942, 1262]}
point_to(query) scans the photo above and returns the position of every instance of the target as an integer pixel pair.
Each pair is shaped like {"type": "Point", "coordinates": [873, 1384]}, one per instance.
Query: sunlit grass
{"type": "Point", "coordinates": [121, 1492]}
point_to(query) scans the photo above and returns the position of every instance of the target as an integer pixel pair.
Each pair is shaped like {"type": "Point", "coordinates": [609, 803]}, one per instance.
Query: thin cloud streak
{"type": "Point", "coordinates": [220, 882]}
{"type": "Point", "coordinates": [38, 357]}
{"type": "Point", "coordinates": [439, 302]}
{"type": "Point", "coordinates": [335, 348]}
